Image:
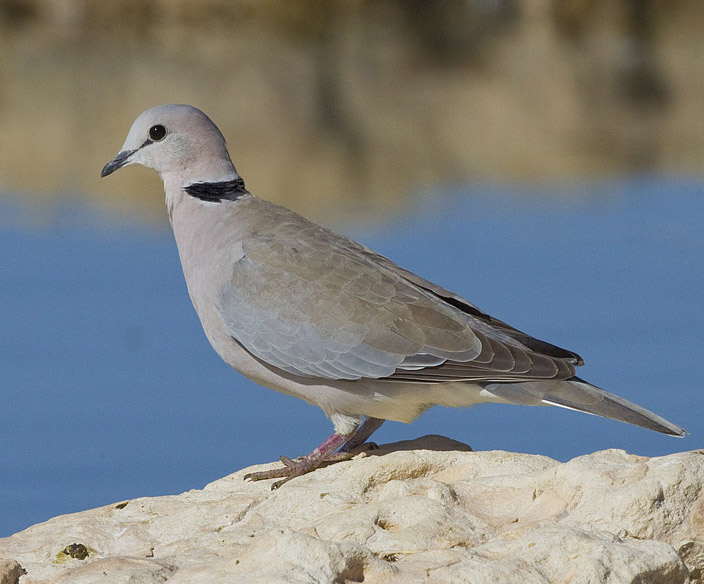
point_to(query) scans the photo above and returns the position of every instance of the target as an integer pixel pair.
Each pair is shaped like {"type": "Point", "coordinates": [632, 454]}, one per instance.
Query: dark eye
{"type": "Point", "coordinates": [157, 132]}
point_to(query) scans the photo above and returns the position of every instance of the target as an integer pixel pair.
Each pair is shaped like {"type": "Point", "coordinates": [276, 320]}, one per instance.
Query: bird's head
{"type": "Point", "coordinates": [179, 142]}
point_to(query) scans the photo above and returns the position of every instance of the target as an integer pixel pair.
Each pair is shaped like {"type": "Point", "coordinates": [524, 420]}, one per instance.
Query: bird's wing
{"type": "Point", "coordinates": [316, 304]}
{"type": "Point", "coordinates": [482, 319]}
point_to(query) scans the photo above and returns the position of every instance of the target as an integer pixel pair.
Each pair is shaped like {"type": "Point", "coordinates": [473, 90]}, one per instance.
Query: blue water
{"type": "Point", "coordinates": [110, 390]}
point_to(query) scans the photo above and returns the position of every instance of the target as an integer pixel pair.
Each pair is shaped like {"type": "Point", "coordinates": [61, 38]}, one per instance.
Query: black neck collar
{"type": "Point", "coordinates": [215, 192]}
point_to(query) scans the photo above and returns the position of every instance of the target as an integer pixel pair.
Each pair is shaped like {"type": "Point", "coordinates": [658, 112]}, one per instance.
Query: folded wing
{"type": "Point", "coordinates": [316, 304]}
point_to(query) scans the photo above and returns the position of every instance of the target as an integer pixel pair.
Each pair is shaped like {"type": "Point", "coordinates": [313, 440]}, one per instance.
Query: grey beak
{"type": "Point", "coordinates": [118, 162]}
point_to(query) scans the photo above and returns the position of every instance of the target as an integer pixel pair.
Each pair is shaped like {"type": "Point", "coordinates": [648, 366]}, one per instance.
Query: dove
{"type": "Point", "coordinates": [305, 311]}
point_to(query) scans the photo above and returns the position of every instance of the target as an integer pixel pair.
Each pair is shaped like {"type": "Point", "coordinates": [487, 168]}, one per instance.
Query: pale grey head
{"type": "Point", "coordinates": [179, 142]}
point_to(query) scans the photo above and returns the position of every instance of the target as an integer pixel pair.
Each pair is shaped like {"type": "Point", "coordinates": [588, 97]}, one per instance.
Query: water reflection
{"type": "Point", "coordinates": [351, 105]}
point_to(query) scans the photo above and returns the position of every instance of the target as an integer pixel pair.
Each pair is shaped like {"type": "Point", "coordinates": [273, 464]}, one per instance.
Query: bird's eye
{"type": "Point", "coordinates": [157, 132]}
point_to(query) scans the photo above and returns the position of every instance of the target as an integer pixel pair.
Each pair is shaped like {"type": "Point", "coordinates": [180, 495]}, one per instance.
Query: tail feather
{"type": "Point", "coordinates": [577, 394]}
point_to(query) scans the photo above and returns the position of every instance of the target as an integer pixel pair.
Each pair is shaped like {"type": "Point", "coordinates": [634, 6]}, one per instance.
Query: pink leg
{"type": "Point", "coordinates": [326, 452]}
{"type": "Point", "coordinates": [369, 426]}
{"type": "Point", "coordinates": [302, 465]}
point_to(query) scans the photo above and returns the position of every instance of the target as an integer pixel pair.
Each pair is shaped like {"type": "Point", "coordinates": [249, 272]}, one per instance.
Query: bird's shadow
{"type": "Point", "coordinates": [433, 442]}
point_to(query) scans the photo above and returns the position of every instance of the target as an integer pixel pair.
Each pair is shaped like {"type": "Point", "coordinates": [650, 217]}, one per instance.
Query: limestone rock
{"type": "Point", "coordinates": [423, 511]}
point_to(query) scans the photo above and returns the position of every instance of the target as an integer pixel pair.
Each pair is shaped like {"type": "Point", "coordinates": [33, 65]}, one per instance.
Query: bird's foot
{"type": "Point", "coordinates": [347, 454]}
{"type": "Point", "coordinates": [301, 465]}
{"type": "Point", "coordinates": [327, 453]}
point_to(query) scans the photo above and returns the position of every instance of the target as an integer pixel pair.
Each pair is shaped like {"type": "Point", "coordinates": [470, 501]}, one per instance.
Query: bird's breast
{"type": "Point", "coordinates": [209, 240]}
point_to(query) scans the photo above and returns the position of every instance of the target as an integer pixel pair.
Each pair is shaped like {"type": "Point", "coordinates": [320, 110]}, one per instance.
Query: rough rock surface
{"type": "Point", "coordinates": [423, 511]}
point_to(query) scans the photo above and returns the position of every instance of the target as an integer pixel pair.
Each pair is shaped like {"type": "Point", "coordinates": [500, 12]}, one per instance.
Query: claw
{"type": "Point", "coordinates": [286, 461]}
{"type": "Point", "coordinates": [266, 474]}
{"type": "Point", "coordinates": [349, 445]}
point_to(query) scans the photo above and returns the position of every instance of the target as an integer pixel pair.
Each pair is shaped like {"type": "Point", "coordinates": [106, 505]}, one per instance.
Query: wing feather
{"type": "Point", "coordinates": [316, 304]}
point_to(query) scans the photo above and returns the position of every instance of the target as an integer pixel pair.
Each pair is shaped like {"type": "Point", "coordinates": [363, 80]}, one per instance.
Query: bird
{"type": "Point", "coordinates": [308, 312]}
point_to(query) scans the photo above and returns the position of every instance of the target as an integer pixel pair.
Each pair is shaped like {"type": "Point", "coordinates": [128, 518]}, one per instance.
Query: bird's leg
{"type": "Point", "coordinates": [302, 465]}
{"type": "Point", "coordinates": [326, 452]}
{"type": "Point", "coordinates": [368, 428]}
{"type": "Point", "coordinates": [358, 443]}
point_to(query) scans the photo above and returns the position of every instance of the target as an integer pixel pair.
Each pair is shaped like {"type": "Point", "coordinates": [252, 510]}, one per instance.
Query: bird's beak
{"type": "Point", "coordinates": [118, 162]}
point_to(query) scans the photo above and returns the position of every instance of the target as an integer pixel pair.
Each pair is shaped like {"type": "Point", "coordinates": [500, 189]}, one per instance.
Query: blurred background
{"type": "Point", "coordinates": [542, 158]}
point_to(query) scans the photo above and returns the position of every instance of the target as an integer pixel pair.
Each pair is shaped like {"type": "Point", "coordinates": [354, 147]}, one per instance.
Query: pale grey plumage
{"type": "Point", "coordinates": [311, 313]}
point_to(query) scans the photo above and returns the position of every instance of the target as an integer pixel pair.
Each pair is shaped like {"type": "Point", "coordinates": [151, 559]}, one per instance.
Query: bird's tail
{"type": "Point", "coordinates": [577, 394]}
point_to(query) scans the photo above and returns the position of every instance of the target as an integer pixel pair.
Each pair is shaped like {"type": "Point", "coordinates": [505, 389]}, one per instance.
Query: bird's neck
{"type": "Point", "coordinates": [177, 184]}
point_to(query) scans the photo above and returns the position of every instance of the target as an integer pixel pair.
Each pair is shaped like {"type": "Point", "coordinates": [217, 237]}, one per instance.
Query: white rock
{"type": "Point", "coordinates": [423, 511]}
